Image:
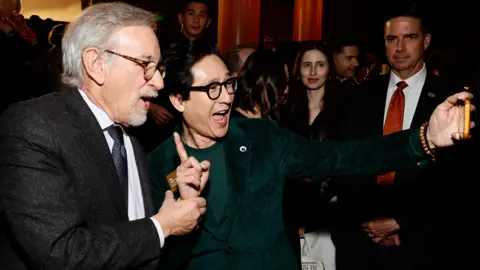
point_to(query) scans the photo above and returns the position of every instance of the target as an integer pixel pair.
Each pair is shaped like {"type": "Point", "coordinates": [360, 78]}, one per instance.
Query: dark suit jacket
{"type": "Point", "coordinates": [61, 202]}
{"type": "Point", "coordinates": [260, 157]}
{"type": "Point", "coordinates": [416, 199]}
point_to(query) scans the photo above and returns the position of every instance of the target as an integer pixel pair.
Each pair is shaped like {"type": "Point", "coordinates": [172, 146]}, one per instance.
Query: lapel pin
{"type": "Point", "coordinates": [243, 149]}
{"type": "Point", "coordinates": [431, 94]}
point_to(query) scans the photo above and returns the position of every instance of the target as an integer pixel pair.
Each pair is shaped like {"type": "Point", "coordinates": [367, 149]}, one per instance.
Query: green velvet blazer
{"type": "Point", "coordinates": [260, 157]}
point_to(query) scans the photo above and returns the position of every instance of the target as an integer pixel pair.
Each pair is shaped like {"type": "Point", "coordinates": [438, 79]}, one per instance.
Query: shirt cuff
{"type": "Point", "coordinates": [160, 232]}
{"type": "Point", "coordinates": [416, 148]}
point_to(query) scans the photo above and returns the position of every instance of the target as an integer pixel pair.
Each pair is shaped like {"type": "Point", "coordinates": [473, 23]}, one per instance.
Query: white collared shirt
{"type": "Point", "coordinates": [412, 94]}
{"type": "Point", "coordinates": [136, 209]}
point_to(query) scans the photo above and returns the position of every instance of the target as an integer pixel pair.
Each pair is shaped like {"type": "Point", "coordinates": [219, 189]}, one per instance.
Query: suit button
{"type": "Point", "coordinates": [228, 249]}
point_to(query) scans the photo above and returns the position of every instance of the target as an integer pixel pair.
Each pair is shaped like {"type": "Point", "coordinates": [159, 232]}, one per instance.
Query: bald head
{"type": "Point", "coordinates": [236, 58]}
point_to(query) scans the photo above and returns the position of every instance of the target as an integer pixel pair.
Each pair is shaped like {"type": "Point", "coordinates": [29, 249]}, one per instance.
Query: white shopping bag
{"type": "Point", "coordinates": [309, 263]}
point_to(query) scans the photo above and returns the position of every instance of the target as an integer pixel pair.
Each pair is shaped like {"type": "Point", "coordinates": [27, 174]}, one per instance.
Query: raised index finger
{"type": "Point", "coordinates": [182, 153]}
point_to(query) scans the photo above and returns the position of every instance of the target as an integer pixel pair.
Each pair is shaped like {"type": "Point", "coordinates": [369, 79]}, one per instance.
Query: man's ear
{"type": "Point", "coordinates": [94, 65]}
{"type": "Point", "coordinates": [208, 22]}
{"type": "Point", "coordinates": [180, 18]}
{"type": "Point", "coordinates": [177, 102]}
{"type": "Point", "coordinates": [426, 41]}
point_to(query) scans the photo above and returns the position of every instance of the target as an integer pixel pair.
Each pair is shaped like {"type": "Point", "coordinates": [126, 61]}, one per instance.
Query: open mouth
{"type": "Point", "coordinates": [146, 100]}
{"type": "Point", "coordinates": [221, 117]}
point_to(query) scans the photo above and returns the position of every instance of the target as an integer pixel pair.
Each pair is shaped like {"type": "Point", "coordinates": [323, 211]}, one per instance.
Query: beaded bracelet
{"type": "Point", "coordinates": [425, 143]}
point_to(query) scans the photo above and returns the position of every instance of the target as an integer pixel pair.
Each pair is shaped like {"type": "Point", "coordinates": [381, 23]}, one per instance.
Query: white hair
{"type": "Point", "coordinates": [94, 28]}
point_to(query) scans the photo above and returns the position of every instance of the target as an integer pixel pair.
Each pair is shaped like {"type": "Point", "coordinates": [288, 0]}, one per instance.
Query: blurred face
{"type": "Point", "coordinates": [405, 44]}
{"type": "Point", "coordinates": [126, 92]}
{"type": "Point", "coordinates": [17, 6]}
{"type": "Point", "coordinates": [268, 44]}
{"type": "Point", "coordinates": [244, 54]}
{"type": "Point", "coordinates": [194, 20]}
{"type": "Point", "coordinates": [314, 69]}
{"type": "Point", "coordinates": [287, 74]}
{"type": "Point", "coordinates": [207, 119]}
{"type": "Point", "coordinates": [6, 7]}
{"type": "Point", "coordinates": [346, 62]}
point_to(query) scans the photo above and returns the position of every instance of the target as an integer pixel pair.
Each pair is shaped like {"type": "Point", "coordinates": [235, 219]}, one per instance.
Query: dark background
{"type": "Point", "coordinates": [454, 25]}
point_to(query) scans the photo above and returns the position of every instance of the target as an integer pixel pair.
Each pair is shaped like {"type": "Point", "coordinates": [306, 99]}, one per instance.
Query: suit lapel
{"type": "Point", "coordinates": [143, 175]}
{"type": "Point", "coordinates": [429, 98]}
{"type": "Point", "coordinates": [428, 101]}
{"type": "Point", "coordinates": [238, 153]}
{"type": "Point", "coordinates": [91, 137]}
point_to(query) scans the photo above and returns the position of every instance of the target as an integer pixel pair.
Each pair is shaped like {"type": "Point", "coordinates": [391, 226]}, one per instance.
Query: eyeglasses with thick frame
{"type": "Point", "coordinates": [149, 67]}
{"type": "Point", "coordinates": [214, 89]}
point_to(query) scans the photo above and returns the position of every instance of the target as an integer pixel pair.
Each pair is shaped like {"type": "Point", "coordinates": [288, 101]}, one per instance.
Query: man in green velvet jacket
{"type": "Point", "coordinates": [247, 162]}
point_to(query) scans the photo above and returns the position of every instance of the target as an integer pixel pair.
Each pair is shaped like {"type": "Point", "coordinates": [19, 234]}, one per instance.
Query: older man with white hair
{"type": "Point", "coordinates": [74, 188]}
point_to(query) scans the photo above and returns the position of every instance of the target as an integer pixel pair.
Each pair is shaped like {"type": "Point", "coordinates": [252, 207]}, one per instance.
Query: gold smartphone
{"type": "Point", "coordinates": [464, 119]}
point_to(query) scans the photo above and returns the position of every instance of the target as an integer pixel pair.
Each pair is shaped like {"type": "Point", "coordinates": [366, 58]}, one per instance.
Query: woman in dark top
{"type": "Point", "coordinates": [313, 110]}
{"type": "Point", "coordinates": [312, 104]}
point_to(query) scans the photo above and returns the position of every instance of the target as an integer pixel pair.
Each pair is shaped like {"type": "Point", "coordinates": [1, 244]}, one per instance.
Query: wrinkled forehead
{"type": "Point", "coordinates": [402, 26]}
{"type": "Point", "coordinates": [138, 41]}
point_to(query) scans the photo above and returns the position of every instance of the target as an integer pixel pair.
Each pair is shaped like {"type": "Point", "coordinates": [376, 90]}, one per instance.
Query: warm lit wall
{"type": "Point", "coordinates": [238, 23]}
{"type": "Point", "coordinates": [58, 10]}
{"type": "Point", "coordinates": [307, 20]}
{"type": "Point", "coordinates": [276, 19]}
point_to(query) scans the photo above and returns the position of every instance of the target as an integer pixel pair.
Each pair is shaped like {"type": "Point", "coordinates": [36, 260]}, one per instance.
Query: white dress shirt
{"type": "Point", "coordinates": [136, 209]}
{"type": "Point", "coordinates": [412, 94]}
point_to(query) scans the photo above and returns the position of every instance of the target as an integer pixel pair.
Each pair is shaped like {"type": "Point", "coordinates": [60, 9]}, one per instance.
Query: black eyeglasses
{"type": "Point", "coordinates": [149, 67]}
{"type": "Point", "coordinates": [214, 90]}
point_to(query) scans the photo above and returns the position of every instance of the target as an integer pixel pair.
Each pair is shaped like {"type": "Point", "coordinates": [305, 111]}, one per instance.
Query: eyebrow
{"type": "Point", "coordinates": [228, 75]}
{"type": "Point", "coordinates": [321, 61]}
{"type": "Point", "coordinates": [196, 10]}
{"type": "Point", "coordinates": [146, 56]}
{"type": "Point", "coordinates": [406, 35]}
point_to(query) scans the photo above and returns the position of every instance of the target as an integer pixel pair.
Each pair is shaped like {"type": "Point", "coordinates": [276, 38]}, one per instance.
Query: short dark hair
{"type": "Point", "coordinates": [185, 4]}
{"type": "Point", "coordinates": [407, 9]}
{"type": "Point", "coordinates": [179, 61]}
{"type": "Point", "coordinates": [262, 81]}
{"type": "Point", "coordinates": [336, 45]}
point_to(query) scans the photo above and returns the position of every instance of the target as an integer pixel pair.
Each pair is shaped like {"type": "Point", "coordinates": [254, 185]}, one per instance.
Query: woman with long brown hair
{"type": "Point", "coordinates": [312, 102]}
{"type": "Point", "coordinates": [313, 110]}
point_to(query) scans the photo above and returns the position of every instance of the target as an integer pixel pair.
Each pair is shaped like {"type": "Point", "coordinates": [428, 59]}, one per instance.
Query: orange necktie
{"type": "Point", "coordinates": [393, 123]}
